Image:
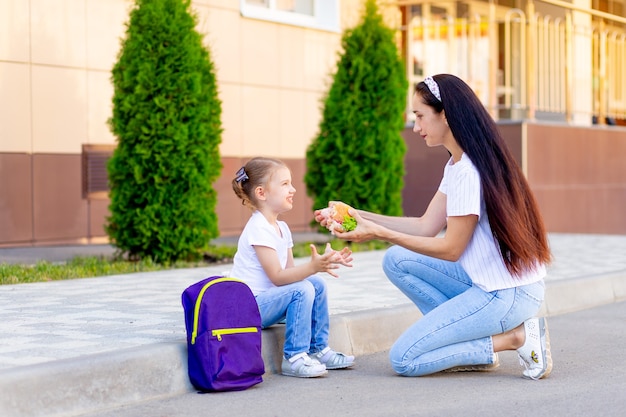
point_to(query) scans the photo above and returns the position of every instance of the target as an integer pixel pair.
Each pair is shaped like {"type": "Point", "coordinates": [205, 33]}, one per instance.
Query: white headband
{"type": "Point", "coordinates": [433, 87]}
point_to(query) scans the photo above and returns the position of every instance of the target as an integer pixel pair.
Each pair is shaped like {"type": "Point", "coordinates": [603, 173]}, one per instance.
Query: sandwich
{"type": "Point", "coordinates": [337, 218]}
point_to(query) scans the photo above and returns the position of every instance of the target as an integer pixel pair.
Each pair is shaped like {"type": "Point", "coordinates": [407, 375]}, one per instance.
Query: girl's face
{"type": "Point", "coordinates": [430, 125]}
{"type": "Point", "coordinates": [279, 191]}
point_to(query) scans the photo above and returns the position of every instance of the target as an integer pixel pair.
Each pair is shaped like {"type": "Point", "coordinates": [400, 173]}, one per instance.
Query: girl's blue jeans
{"type": "Point", "coordinates": [459, 317]}
{"type": "Point", "coordinates": [305, 305]}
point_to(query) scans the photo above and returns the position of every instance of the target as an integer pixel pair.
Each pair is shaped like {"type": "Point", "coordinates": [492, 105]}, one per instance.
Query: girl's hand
{"type": "Point", "coordinates": [345, 255]}
{"type": "Point", "coordinates": [330, 259]}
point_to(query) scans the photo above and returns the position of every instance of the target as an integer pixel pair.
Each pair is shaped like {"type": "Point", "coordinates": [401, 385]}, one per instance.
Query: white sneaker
{"type": "Point", "coordinates": [302, 366]}
{"type": "Point", "coordinates": [332, 359]}
{"type": "Point", "coordinates": [535, 355]}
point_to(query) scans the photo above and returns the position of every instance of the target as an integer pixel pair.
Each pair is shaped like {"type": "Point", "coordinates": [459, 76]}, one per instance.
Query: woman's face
{"type": "Point", "coordinates": [429, 124]}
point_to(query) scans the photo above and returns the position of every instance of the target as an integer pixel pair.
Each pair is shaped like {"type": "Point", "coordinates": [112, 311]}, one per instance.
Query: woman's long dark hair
{"type": "Point", "coordinates": [513, 213]}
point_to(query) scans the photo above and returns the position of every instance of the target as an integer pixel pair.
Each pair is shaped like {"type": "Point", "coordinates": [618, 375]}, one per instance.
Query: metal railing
{"type": "Point", "coordinates": [555, 62]}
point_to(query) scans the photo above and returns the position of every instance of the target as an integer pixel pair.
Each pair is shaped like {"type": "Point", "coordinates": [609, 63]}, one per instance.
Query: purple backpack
{"type": "Point", "coordinates": [223, 335]}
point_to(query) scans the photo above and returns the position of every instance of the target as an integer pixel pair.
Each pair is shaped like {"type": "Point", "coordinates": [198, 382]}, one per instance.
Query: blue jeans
{"type": "Point", "coordinates": [305, 306]}
{"type": "Point", "coordinates": [459, 317]}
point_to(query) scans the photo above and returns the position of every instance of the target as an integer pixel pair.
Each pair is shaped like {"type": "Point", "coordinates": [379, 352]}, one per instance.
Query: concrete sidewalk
{"type": "Point", "coordinates": [71, 347]}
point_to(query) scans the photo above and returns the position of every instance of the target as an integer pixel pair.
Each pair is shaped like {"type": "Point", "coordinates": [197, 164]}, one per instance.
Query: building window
{"type": "Point", "coordinates": [615, 7]}
{"type": "Point", "coordinates": [315, 14]}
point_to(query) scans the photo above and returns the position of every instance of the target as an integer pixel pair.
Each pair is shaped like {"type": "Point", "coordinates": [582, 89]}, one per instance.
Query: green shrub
{"type": "Point", "coordinates": [358, 155]}
{"type": "Point", "coordinates": [166, 117]}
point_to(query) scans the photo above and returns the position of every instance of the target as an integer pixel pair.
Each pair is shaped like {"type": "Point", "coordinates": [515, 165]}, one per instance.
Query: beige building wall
{"type": "Point", "coordinates": [271, 78]}
{"type": "Point", "coordinates": [55, 61]}
{"type": "Point", "coordinates": [55, 97]}
{"type": "Point", "coordinates": [56, 57]}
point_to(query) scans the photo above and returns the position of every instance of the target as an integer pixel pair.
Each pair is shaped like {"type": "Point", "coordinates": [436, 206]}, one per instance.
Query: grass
{"type": "Point", "coordinates": [85, 267]}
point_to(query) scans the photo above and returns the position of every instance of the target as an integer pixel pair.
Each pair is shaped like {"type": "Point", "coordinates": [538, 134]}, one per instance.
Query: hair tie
{"type": "Point", "coordinates": [433, 87]}
{"type": "Point", "coordinates": [241, 175]}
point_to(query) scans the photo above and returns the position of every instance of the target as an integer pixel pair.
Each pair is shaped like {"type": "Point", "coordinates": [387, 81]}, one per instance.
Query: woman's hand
{"type": "Point", "coordinates": [336, 217]}
{"type": "Point", "coordinates": [320, 216]}
{"type": "Point", "coordinates": [365, 229]}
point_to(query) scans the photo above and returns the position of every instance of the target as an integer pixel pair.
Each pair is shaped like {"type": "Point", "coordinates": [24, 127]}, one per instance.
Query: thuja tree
{"type": "Point", "coordinates": [358, 154]}
{"type": "Point", "coordinates": [166, 117]}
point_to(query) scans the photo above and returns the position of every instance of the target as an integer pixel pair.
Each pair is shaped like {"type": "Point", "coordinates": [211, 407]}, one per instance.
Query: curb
{"type": "Point", "coordinates": [84, 384]}
{"type": "Point", "coordinates": [571, 295]}
{"type": "Point", "coordinates": [95, 382]}
{"type": "Point", "coordinates": [107, 380]}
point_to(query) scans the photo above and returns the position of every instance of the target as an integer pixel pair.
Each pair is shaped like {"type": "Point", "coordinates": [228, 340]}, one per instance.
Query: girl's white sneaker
{"type": "Point", "coordinates": [332, 359]}
{"type": "Point", "coordinates": [302, 366]}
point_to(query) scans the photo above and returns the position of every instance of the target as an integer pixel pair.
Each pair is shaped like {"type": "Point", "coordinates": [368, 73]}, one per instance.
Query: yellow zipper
{"type": "Point", "coordinates": [196, 310]}
{"type": "Point", "coordinates": [220, 332]}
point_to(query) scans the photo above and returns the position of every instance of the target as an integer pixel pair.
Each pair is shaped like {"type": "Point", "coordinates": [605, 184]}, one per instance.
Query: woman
{"type": "Point", "coordinates": [480, 283]}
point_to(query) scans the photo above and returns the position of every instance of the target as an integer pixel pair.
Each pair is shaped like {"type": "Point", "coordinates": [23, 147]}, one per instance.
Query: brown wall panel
{"type": "Point", "coordinates": [16, 198]}
{"type": "Point", "coordinates": [579, 177]}
{"type": "Point", "coordinates": [577, 174]}
{"type": "Point", "coordinates": [585, 211]}
{"type": "Point", "coordinates": [98, 210]}
{"type": "Point", "coordinates": [423, 171]}
{"type": "Point", "coordinates": [512, 134]}
{"type": "Point", "coordinates": [60, 212]}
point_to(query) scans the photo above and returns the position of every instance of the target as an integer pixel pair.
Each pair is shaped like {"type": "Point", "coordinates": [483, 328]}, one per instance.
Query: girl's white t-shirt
{"type": "Point", "coordinates": [259, 232]}
{"type": "Point", "coordinates": [481, 259]}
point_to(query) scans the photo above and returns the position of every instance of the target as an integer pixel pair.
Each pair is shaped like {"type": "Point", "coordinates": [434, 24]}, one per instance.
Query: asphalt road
{"type": "Point", "coordinates": [588, 379]}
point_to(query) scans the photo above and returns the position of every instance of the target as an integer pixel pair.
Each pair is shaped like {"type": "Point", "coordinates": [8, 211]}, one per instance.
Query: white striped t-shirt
{"type": "Point", "coordinates": [481, 259]}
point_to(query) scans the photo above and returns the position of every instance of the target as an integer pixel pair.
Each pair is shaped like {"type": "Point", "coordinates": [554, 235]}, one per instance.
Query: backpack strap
{"type": "Point", "coordinates": [196, 310]}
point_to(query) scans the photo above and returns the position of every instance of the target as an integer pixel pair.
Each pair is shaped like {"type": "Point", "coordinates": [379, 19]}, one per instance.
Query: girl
{"type": "Point", "coordinates": [264, 260]}
{"type": "Point", "coordinates": [479, 284]}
